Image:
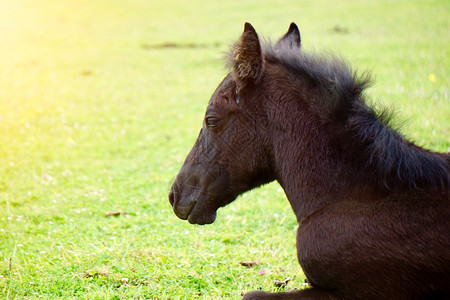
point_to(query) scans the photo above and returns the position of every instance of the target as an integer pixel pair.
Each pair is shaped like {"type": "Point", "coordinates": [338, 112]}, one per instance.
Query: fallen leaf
{"type": "Point", "coordinates": [249, 264]}
{"type": "Point", "coordinates": [114, 213]}
{"type": "Point", "coordinates": [281, 284]}
{"type": "Point", "coordinates": [90, 274]}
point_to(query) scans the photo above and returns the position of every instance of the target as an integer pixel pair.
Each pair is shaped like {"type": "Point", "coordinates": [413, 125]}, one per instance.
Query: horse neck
{"type": "Point", "coordinates": [311, 172]}
{"type": "Point", "coordinates": [367, 160]}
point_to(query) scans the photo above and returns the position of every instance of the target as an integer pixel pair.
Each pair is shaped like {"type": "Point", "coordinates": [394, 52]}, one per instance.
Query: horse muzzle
{"type": "Point", "coordinates": [191, 206]}
{"type": "Point", "coordinates": [195, 196]}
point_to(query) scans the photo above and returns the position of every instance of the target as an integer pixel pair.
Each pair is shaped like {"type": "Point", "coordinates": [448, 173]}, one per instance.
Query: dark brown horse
{"type": "Point", "coordinates": [373, 208]}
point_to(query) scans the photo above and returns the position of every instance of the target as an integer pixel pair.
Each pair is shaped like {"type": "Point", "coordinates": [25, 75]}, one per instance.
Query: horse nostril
{"type": "Point", "coordinates": [171, 197]}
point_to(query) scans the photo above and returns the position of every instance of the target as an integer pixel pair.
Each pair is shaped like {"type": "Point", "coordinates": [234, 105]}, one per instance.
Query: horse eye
{"type": "Point", "coordinates": [236, 97]}
{"type": "Point", "coordinates": [212, 121]}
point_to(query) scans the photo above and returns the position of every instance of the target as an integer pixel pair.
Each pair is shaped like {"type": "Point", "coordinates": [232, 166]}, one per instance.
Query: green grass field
{"type": "Point", "coordinates": [100, 101]}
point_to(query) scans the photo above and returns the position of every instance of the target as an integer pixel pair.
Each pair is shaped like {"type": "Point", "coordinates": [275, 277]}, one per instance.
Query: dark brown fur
{"type": "Point", "coordinates": [373, 208]}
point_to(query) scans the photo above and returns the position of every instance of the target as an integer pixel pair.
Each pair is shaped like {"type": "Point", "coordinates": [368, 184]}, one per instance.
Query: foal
{"type": "Point", "coordinates": [373, 208]}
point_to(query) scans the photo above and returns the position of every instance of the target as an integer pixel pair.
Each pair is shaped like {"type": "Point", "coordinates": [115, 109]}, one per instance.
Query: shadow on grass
{"type": "Point", "coordinates": [174, 45]}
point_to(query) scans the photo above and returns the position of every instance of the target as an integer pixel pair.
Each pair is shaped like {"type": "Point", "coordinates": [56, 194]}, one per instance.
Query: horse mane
{"type": "Point", "coordinates": [366, 134]}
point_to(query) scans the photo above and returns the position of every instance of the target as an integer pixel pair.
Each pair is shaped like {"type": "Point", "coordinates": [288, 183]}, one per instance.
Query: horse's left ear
{"type": "Point", "coordinates": [247, 56]}
{"type": "Point", "coordinates": [291, 39]}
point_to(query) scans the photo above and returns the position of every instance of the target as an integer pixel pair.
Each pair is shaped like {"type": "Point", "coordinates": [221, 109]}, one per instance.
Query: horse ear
{"type": "Point", "coordinates": [247, 56]}
{"type": "Point", "coordinates": [291, 39]}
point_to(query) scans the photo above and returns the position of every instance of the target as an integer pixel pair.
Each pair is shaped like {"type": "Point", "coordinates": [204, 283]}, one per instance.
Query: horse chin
{"type": "Point", "coordinates": [203, 218]}
{"type": "Point", "coordinates": [204, 211]}
{"type": "Point", "coordinates": [195, 208]}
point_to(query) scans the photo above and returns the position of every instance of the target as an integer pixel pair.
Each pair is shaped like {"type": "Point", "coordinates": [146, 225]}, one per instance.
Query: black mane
{"type": "Point", "coordinates": [339, 85]}
{"type": "Point", "coordinates": [342, 106]}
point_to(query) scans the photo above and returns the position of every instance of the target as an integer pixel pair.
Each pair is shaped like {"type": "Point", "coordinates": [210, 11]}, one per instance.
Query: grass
{"type": "Point", "coordinates": [100, 101]}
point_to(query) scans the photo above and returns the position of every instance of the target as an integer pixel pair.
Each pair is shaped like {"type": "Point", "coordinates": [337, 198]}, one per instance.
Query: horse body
{"type": "Point", "coordinates": [373, 208]}
{"type": "Point", "coordinates": [377, 250]}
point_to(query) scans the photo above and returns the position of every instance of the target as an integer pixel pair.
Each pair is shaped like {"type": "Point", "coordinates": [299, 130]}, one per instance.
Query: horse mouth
{"type": "Point", "coordinates": [183, 212]}
{"type": "Point", "coordinates": [190, 208]}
